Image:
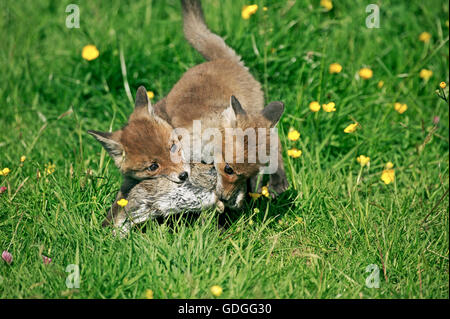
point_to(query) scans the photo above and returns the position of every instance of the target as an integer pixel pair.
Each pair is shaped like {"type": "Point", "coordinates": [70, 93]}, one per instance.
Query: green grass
{"type": "Point", "coordinates": [346, 225]}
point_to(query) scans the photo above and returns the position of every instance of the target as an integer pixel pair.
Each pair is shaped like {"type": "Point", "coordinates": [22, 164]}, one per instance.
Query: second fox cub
{"type": "Point", "coordinates": [221, 94]}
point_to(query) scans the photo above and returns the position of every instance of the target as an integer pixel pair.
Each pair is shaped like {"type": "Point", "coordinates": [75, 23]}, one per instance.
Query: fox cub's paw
{"type": "Point", "coordinates": [278, 184]}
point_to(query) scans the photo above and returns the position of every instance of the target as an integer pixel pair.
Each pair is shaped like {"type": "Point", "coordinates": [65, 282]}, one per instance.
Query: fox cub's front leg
{"type": "Point", "coordinates": [278, 182]}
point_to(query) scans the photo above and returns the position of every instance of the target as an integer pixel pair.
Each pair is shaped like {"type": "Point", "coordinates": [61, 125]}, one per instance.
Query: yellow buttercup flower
{"type": "Point", "coordinates": [90, 52]}
{"type": "Point", "coordinates": [330, 107]}
{"type": "Point", "coordinates": [295, 153]}
{"type": "Point", "coordinates": [265, 191]}
{"type": "Point", "coordinates": [365, 73]}
{"type": "Point", "coordinates": [425, 37]}
{"type": "Point", "coordinates": [314, 106]}
{"type": "Point", "coordinates": [442, 85]}
{"type": "Point", "coordinates": [5, 171]}
{"type": "Point", "coordinates": [388, 176]}
{"type": "Point", "coordinates": [265, 8]}
{"type": "Point", "coordinates": [23, 158]}
{"type": "Point", "coordinates": [389, 165]}
{"type": "Point", "coordinates": [327, 4]}
{"type": "Point", "coordinates": [351, 128]}
{"type": "Point", "coordinates": [254, 196]}
{"type": "Point", "coordinates": [249, 10]}
{"type": "Point", "coordinates": [425, 74]}
{"type": "Point", "coordinates": [293, 135]}
{"type": "Point", "coordinates": [335, 68]}
{"type": "Point", "coordinates": [380, 84]}
{"type": "Point", "coordinates": [122, 202]}
{"type": "Point", "coordinates": [150, 94]}
{"type": "Point", "coordinates": [216, 290]}
{"type": "Point", "coordinates": [400, 108]}
{"type": "Point", "coordinates": [363, 160]}
{"type": "Point", "coordinates": [149, 294]}
{"type": "Point", "coordinates": [49, 168]}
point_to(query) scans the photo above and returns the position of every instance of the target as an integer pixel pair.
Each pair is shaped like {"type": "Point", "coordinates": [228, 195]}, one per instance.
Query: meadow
{"type": "Point", "coordinates": [341, 225]}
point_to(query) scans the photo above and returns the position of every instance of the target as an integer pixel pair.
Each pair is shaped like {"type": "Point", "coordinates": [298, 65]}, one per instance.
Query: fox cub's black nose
{"type": "Point", "coordinates": [183, 176]}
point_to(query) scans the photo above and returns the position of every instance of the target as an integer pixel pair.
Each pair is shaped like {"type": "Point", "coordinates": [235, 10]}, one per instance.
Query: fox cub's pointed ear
{"type": "Point", "coordinates": [232, 112]}
{"type": "Point", "coordinates": [237, 107]}
{"type": "Point", "coordinates": [273, 111]}
{"type": "Point", "coordinates": [113, 147]}
{"type": "Point", "coordinates": [142, 103]}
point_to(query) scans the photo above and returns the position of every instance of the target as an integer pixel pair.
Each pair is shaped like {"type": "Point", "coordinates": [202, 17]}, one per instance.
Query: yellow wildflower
{"type": "Point", "coordinates": [335, 68]}
{"type": "Point", "coordinates": [265, 8]}
{"type": "Point", "coordinates": [293, 135]}
{"type": "Point", "coordinates": [23, 158]}
{"type": "Point", "coordinates": [90, 52]}
{"type": "Point", "coordinates": [216, 290]}
{"type": "Point", "coordinates": [122, 202]}
{"type": "Point", "coordinates": [351, 128]}
{"type": "Point", "coordinates": [247, 11]}
{"type": "Point", "coordinates": [425, 37]}
{"type": "Point", "coordinates": [295, 153]}
{"type": "Point", "coordinates": [389, 165]}
{"type": "Point", "coordinates": [256, 210]}
{"type": "Point", "coordinates": [314, 106]}
{"type": "Point", "coordinates": [380, 84]}
{"type": "Point", "coordinates": [299, 219]}
{"type": "Point", "coordinates": [5, 171]}
{"type": "Point", "coordinates": [150, 94]}
{"type": "Point", "coordinates": [388, 176]}
{"type": "Point", "coordinates": [330, 107]}
{"type": "Point", "coordinates": [149, 294]}
{"type": "Point", "coordinates": [254, 196]}
{"type": "Point", "coordinates": [400, 108]}
{"type": "Point", "coordinates": [265, 191]}
{"type": "Point", "coordinates": [327, 4]}
{"type": "Point", "coordinates": [363, 160]}
{"type": "Point", "coordinates": [49, 168]}
{"type": "Point", "coordinates": [425, 74]}
{"type": "Point", "coordinates": [365, 73]}
{"type": "Point", "coordinates": [250, 222]}
{"type": "Point", "coordinates": [442, 85]}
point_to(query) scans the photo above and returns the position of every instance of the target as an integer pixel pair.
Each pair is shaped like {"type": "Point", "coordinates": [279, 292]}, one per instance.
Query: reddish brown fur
{"type": "Point", "coordinates": [204, 91]}
{"type": "Point", "coordinates": [145, 140]}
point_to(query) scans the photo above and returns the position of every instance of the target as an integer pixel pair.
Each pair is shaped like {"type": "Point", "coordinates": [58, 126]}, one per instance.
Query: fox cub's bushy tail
{"type": "Point", "coordinates": [210, 45]}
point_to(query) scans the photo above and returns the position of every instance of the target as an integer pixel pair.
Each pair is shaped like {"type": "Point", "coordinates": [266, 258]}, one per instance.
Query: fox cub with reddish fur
{"type": "Point", "coordinates": [221, 94]}
{"type": "Point", "coordinates": [146, 147]}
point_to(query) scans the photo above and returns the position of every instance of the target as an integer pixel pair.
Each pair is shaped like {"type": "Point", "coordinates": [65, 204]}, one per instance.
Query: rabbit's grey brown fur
{"type": "Point", "coordinates": [160, 197]}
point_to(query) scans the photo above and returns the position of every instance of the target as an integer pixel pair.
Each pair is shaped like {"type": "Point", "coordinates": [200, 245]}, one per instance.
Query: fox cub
{"type": "Point", "coordinates": [160, 197]}
{"type": "Point", "coordinates": [222, 94]}
{"type": "Point", "coordinates": [146, 147]}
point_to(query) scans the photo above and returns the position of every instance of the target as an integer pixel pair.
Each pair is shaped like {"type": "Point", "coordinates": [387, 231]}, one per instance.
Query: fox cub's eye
{"type": "Point", "coordinates": [153, 167]}
{"type": "Point", "coordinates": [173, 149]}
{"type": "Point", "coordinates": [228, 169]}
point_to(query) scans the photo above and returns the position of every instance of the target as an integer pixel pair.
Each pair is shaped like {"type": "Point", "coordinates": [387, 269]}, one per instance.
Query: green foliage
{"type": "Point", "coordinates": [349, 217]}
